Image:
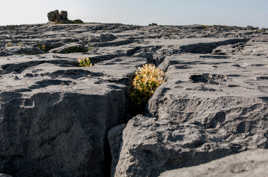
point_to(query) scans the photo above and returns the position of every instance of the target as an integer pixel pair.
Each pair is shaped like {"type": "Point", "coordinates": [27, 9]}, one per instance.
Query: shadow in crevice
{"type": "Point", "coordinates": [47, 83]}
{"type": "Point", "coordinates": [20, 67]}
{"type": "Point", "coordinates": [214, 56]}
{"type": "Point", "coordinates": [206, 48]}
{"type": "Point", "coordinates": [190, 159]}
{"type": "Point", "coordinates": [74, 73]}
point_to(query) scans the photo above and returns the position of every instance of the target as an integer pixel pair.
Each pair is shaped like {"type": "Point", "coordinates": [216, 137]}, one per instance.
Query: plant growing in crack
{"type": "Point", "coordinates": [85, 62]}
{"type": "Point", "coordinates": [146, 80]}
{"type": "Point", "coordinates": [42, 47]}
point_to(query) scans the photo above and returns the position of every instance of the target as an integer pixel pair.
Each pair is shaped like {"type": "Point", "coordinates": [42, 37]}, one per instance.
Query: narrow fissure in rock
{"type": "Point", "coordinates": [132, 110]}
{"type": "Point", "coordinates": [206, 48]}
{"type": "Point", "coordinates": [107, 157]}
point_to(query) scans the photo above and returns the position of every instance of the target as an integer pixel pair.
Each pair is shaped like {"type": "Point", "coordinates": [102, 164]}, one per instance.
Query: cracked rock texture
{"type": "Point", "coordinates": [55, 115]}
{"type": "Point", "coordinates": [251, 163]}
{"type": "Point", "coordinates": [207, 109]}
{"type": "Point", "coordinates": [61, 120]}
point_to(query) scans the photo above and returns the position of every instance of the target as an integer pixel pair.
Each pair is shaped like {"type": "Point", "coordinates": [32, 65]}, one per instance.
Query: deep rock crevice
{"type": "Point", "coordinates": [206, 48]}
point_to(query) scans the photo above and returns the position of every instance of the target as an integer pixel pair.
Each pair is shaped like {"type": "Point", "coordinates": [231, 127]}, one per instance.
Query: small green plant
{"type": "Point", "coordinates": [43, 47]}
{"type": "Point", "coordinates": [9, 44]}
{"type": "Point", "coordinates": [260, 31]}
{"type": "Point", "coordinates": [205, 27]}
{"type": "Point", "coordinates": [85, 62]}
{"type": "Point", "coordinates": [146, 80]}
{"type": "Point", "coordinates": [20, 44]}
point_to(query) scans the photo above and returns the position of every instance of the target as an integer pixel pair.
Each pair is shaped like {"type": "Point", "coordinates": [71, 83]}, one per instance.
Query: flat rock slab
{"type": "Point", "coordinates": [69, 48]}
{"type": "Point", "coordinates": [208, 108]}
{"type": "Point", "coordinates": [54, 115]}
{"type": "Point", "coordinates": [229, 75]}
{"type": "Point", "coordinates": [251, 163]}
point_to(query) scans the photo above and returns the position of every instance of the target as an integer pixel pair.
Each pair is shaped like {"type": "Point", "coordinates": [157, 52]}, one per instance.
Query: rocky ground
{"type": "Point", "coordinates": [61, 120]}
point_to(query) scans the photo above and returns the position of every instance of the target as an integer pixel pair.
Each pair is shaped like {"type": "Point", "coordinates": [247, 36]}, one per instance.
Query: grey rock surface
{"type": "Point", "coordinates": [55, 115]}
{"type": "Point", "coordinates": [246, 164]}
{"type": "Point", "coordinates": [4, 175]}
{"type": "Point", "coordinates": [115, 142]}
{"type": "Point", "coordinates": [57, 119]}
{"type": "Point", "coordinates": [102, 38]}
{"type": "Point", "coordinates": [69, 48]}
{"type": "Point", "coordinates": [209, 107]}
{"type": "Point", "coordinates": [27, 50]}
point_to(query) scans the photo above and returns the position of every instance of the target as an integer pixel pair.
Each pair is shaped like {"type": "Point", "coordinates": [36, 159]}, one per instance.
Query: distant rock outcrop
{"type": "Point", "coordinates": [60, 17]}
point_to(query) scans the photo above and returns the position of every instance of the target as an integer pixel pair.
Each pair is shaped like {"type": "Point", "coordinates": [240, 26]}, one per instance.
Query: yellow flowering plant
{"type": "Point", "coordinates": [146, 80]}
{"type": "Point", "coordinates": [85, 62]}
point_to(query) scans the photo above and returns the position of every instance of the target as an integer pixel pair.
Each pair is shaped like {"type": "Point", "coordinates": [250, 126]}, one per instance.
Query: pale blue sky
{"type": "Point", "coordinates": [143, 12]}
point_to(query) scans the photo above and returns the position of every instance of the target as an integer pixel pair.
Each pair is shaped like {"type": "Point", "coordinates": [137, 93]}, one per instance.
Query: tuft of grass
{"type": "Point", "coordinates": [85, 62]}
{"type": "Point", "coordinates": [146, 80]}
